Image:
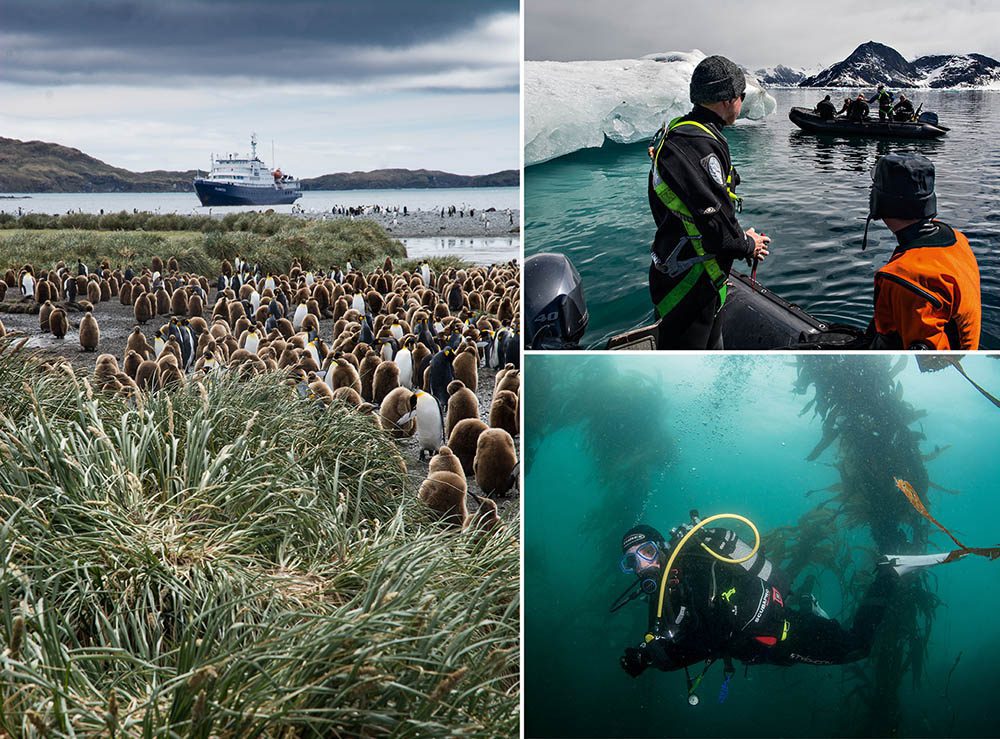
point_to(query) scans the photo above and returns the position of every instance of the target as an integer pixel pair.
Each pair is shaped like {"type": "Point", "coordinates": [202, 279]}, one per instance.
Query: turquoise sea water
{"type": "Point", "coordinates": [809, 193]}
{"type": "Point", "coordinates": [611, 441]}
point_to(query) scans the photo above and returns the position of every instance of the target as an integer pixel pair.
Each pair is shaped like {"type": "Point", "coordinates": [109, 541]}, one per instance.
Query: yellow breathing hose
{"type": "Point", "coordinates": [688, 535]}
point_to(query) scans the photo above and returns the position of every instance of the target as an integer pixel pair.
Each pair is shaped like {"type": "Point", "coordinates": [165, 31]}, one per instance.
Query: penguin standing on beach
{"type": "Point", "coordinates": [58, 323]}
{"type": "Point", "coordinates": [441, 374]}
{"type": "Point", "coordinates": [90, 333]}
{"type": "Point", "coordinates": [430, 427]}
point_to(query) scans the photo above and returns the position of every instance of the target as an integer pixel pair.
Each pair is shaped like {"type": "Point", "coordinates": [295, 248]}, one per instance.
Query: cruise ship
{"type": "Point", "coordinates": [236, 181]}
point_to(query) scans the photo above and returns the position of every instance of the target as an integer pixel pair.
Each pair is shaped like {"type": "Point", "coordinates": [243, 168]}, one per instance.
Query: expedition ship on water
{"type": "Point", "coordinates": [235, 181]}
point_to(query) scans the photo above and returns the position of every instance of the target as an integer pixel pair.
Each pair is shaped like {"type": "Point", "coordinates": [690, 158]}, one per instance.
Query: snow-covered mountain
{"type": "Point", "coordinates": [873, 63]}
{"type": "Point", "coordinates": [781, 76]}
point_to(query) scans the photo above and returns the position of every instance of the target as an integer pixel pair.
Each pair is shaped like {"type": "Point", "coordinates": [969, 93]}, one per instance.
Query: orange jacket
{"type": "Point", "coordinates": [928, 295]}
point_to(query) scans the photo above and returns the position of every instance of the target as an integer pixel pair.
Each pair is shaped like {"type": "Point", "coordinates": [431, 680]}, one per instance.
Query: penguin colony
{"type": "Point", "coordinates": [406, 347]}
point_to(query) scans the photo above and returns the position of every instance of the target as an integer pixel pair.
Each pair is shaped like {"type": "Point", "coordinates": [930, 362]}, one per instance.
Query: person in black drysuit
{"type": "Point", "coordinates": [714, 610]}
{"type": "Point", "coordinates": [845, 108]}
{"type": "Point", "coordinates": [691, 158]}
{"type": "Point", "coordinates": [826, 109]}
{"type": "Point", "coordinates": [859, 110]}
{"type": "Point", "coordinates": [903, 110]}
{"type": "Point", "coordinates": [884, 98]}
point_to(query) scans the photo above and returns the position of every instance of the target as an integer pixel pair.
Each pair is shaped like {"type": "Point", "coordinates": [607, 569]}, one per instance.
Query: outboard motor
{"type": "Point", "coordinates": [928, 117]}
{"type": "Point", "coordinates": [555, 309]}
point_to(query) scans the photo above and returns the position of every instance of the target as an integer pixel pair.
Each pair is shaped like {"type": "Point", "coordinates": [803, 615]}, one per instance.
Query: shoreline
{"type": "Point", "coordinates": [415, 224]}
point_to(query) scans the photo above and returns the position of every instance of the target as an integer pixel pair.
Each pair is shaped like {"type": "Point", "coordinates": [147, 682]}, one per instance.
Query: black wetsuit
{"type": "Point", "coordinates": [730, 612]}
{"type": "Point", "coordinates": [858, 111]}
{"type": "Point", "coordinates": [827, 111]}
{"type": "Point", "coordinates": [903, 111]}
{"type": "Point", "coordinates": [686, 167]}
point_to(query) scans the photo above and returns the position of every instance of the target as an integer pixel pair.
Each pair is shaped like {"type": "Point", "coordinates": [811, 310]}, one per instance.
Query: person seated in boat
{"type": "Point", "coordinates": [845, 108]}
{"type": "Point", "coordinates": [859, 110]}
{"type": "Point", "coordinates": [928, 295]}
{"type": "Point", "coordinates": [903, 110]}
{"type": "Point", "coordinates": [826, 109]}
{"type": "Point", "coordinates": [884, 98]}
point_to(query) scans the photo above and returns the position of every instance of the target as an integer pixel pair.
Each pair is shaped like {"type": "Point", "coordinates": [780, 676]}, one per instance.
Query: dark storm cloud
{"type": "Point", "coordinates": [106, 41]}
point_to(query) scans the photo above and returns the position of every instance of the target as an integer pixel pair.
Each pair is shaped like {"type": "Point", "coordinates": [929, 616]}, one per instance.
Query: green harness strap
{"type": "Point", "coordinates": [676, 206]}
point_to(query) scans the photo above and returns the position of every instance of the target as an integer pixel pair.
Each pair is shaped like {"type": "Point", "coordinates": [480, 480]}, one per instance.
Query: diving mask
{"type": "Point", "coordinates": [644, 555]}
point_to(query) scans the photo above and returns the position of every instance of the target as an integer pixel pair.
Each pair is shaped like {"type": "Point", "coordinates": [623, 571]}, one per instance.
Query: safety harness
{"type": "Point", "coordinates": [701, 263]}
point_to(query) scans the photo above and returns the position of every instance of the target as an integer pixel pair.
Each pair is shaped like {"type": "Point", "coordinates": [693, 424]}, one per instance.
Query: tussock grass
{"type": "Point", "coordinates": [228, 559]}
{"type": "Point", "coordinates": [199, 243]}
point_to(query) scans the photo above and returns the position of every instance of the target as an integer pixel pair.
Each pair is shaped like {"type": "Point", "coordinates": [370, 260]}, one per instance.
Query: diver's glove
{"type": "Point", "coordinates": [634, 661]}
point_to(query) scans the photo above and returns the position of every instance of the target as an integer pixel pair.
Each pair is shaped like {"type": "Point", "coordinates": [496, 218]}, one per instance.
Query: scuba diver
{"type": "Point", "coordinates": [928, 295]}
{"type": "Point", "coordinates": [692, 196]}
{"type": "Point", "coordinates": [826, 109]}
{"type": "Point", "coordinates": [884, 98]}
{"type": "Point", "coordinates": [718, 598]}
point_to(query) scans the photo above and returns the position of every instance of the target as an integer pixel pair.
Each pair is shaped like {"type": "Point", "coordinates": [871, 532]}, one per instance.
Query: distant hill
{"type": "Point", "coordinates": [872, 63]}
{"type": "Point", "coordinates": [37, 166]}
{"type": "Point", "coordinates": [383, 179]}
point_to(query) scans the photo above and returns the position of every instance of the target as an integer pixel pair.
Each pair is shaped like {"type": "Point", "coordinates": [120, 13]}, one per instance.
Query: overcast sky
{"type": "Point", "coordinates": [758, 33]}
{"type": "Point", "coordinates": [338, 85]}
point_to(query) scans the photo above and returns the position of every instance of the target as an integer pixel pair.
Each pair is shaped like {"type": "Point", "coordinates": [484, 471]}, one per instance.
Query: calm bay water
{"type": "Point", "coordinates": [809, 193]}
{"type": "Point", "coordinates": [311, 200]}
{"type": "Point", "coordinates": [481, 250]}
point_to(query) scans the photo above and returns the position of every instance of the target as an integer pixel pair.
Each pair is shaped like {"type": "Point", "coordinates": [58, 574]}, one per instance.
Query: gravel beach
{"type": "Point", "coordinates": [423, 223]}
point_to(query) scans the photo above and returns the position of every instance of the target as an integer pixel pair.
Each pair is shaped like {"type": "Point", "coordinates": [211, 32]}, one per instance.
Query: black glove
{"type": "Point", "coordinates": [633, 661]}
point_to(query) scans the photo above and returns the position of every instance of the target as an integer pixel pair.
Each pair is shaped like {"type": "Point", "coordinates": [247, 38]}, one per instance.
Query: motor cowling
{"type": "Point", "coordinates": [555, 308]}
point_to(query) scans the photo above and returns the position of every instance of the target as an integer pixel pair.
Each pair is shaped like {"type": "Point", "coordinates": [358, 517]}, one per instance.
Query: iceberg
{"type": "Point", "coordinates": [577, 105]}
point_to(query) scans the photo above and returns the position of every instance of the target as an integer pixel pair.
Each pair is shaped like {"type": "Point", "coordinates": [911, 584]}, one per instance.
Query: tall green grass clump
{"type": "Point", "coordinates": [272, 241]}
{"type": "Point", "coordinates": [228, 559]}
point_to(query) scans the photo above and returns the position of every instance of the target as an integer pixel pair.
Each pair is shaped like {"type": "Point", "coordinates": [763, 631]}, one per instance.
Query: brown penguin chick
{"type": "Point", "coordinates": [496, 462]}
{"type": "Point", "coordinates": [310, 324]}
{"type": "Point", "coordinates": [195, 306]}
{"type": "Point", "coordinates": [179, 302]}
{"type": "Point", "coordinates": [58, 323]}
{"type": "Point", "coordinates": [399, 403]}
{"type": "Point", "coordinates": [319, 390]}
{"type": "Point", "coordinates": [105, 287]}
{"type": "Point", "coordinates": [369, 363]}
{"type": "Point", "coordinates": [444, 493]}
{"type": "Point", "coordinates": [462, 404]}
{"type": "Point", "coordinates": [466, 368]}
{"type": "Point", "coordinates": [156, 264]}
{"type": "Point", "coordinates": [125, 294]}
{"type": "Point", "coordinates": [161, 301]}
{"type": "Point", "coordinates": [147, 375]}
{"type": "Point", "coordinates": [43, 316]}
{"type": "Point", "coordinates": [169, 375]}
{"type": "Point", "coordinates": [487, 516]}
{"type": "Point", "coordinates": [131, 364]}
{"type": "Point", "coordinates": [172, 265]}
{"type": "Point", "coordinates": [348, 395]}
{"type": "Point", "coordinates": [508, 378]}
{"type": "Point", "coordinates": [90, 333]}
{"type": "Point", "coordinates": [137, 343]}
{"type": "Point", "coordinates": [142, 310]}
{"type": "Point", "coordinates": [504, 412]}
{"type": "Point", "coordinates": [235, 312]}
{"type": "Point", "coordinates": [343, 374]}
{"type": "Point", "coordinates": [43, 291]}
{"type": "Point", "coordinates": [307, 362]}
{"type": "Point", "coordinates": [446, 461]}
{"type": "Point", "coordinates": [285, 328]}
{"type": "Point", "coordinates": [384, 381]}
{"type": "Point", "coordinates": [463, 439]}
{"type": "Point", "coordinates": [3, 331]}
{"type": "Point", "coordinates": [93, 292]}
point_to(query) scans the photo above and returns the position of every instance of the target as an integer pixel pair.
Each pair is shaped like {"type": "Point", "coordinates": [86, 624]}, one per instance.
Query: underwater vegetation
{"type": "Point", "coordinates": [870, 426]}
{"type": "Point", "coordinates": [227, 559]}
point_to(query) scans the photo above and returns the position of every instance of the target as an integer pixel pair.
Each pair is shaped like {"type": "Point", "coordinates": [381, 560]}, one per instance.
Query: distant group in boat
{"type": "Point", "coordinates": [859, 110]}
